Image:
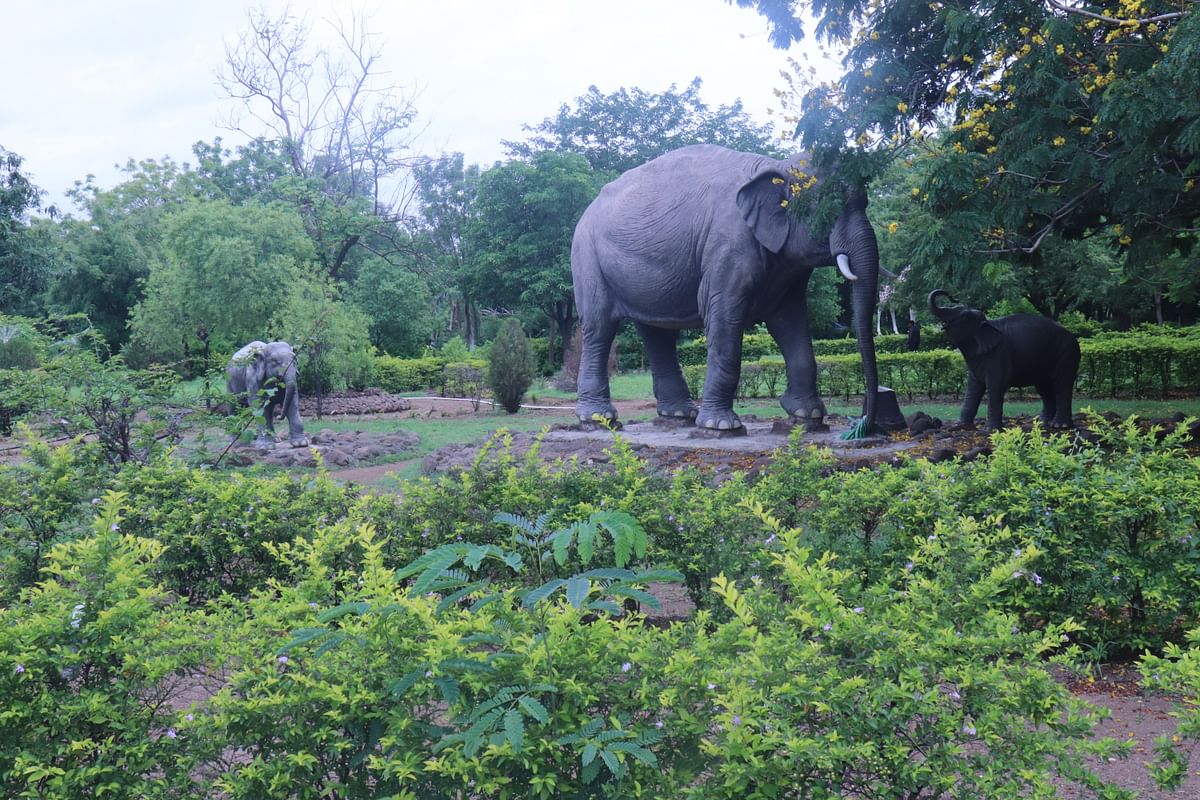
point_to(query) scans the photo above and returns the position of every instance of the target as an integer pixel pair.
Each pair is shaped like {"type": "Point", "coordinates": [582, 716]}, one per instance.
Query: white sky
{"type": "Point", "coordinates": [91, 84]}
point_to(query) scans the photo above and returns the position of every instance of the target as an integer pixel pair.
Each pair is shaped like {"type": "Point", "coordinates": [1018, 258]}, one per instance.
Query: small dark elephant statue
{"type": "Point", "coordinates": [1018, 350]}
{"type": "Point", "coordinates": [268, 368]}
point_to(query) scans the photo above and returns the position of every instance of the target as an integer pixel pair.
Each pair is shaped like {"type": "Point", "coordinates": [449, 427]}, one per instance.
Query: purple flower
{"type": "Point", "coordinates": [189, 717]}
{"type": "Point", "coordinates": [1116, 578]}
{"type": "Point", "coordinates": [626, 667]}
{"type": "Point", "coordinates": [769, 539]}
{"type": "Point", "coordinates": [712, 686]}
{"type": "Point", "coordinates": [737, 720]}
{"type": "Point", "coordinates": [95, 500]}
{"type": "Point", "coordinates": [171, 733]}
{"type": "Point", "coordinates": [933, 537]}
{"type": "Point", "coordinates": [908, 567]}
{"type": "Point", "coordinates": [282, 659]}
{"type": "Point", "coordinates": [1018, 574]}
{"type": "Point", "coordinates": [658, 723]}
{"type": "Point", "coordinates": [968, 729]}
{"type": "Point", "coordinates": [828, 626]}
{"type": "Point", "coordinates": [20, 668]}
{"type": "Point", "coordinates": [1037, 579]}
{"type": "Point", "coordinates": [954, 695]}
{"type": "Point", "coordinates": [858, 609]}
{"type": "Point", "coordinates": [115, 527]}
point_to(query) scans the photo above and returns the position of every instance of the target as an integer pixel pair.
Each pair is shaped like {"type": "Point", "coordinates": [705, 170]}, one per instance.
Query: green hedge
{"type": "Point", "coordinates": [458, 378]}
{"type": "Point", "coordinates": [1136, 364]}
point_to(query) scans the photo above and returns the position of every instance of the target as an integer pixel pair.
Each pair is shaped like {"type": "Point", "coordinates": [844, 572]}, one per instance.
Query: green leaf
{"type": "Point", "coordinates": [434, 570]}
{"type": "Point", "coordinates": [577, 591]}
{"type": "Point", "coordinates": [587, 539]}
{"type": "Point", "coordinates": [641, 595]}
{"type": "Point", "coordinates": [453, 598]}
{"type": "Point", "coordinates": [464, 665]}
{"type": "Point", "coordinates": [303, 636]}
{"type": "Point", "coordinates": [398, 688]}
{"type": "Point", "coordinates": [342, 610]}
{"type": "Point", "coordinates": [589, 754]}
{"type": "Point", "coordinates": [448, 688]}
{"type": "Point", "coordinates": [609, 573]}
{"type": "Point", "coordinates": [534, 708]}
{"type": "Point", "coordinates": [514, 729]}
{"type": "Point", "coordinates": [607, 606]}
{"type": "Point", "coordinates": [614, 765]}
{"type": "Point", "coordinates": [539, 594]}
{"type": "Point", "coordinates": [561, 540]}
{"type": "Point", "coordinates": [423, 561]}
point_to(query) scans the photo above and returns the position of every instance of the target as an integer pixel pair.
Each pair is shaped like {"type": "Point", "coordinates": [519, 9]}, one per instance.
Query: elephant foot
{"type": "Point", "coordinates": [807, 411]}
{"type": "Point", "coordinates": [1059, 425]}
{"type": "Point", "coordinates": [676, 409]}
{"type": "Point", "coordinates": [264, 443]}
{"type": "Point", "coordinates": [717, 419]}
{"type": "Point", "coordinates": [596, 412]}
{"type": "Point", "coordinates": [299, 441]}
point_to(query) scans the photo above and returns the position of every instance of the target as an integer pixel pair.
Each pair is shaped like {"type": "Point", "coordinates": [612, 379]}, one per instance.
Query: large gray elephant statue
{"type": "Point", "coordinates": [1017, 350]}
{"type": "Point", "coordinates": [702, 236]}
{"type": "Point", "coordinates": [262, 368]}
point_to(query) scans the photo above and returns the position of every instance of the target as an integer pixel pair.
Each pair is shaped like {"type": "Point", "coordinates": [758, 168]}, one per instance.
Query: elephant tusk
{"type": "Point", "coordinates": [843, 263]}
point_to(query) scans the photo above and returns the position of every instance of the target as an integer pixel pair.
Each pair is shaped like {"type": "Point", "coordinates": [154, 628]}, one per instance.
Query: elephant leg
{"type": "Point", "coordinates": [1064, 386]}
{"type": "Point", "coordinates": [670, 388]}
{"type": "Point", "coordinates": [971, 400]}
{"type": "Point", "coordinates": [1047, 392]}
{"type": "Point", "coordinates": [789, 328]}
{"type": "Point", "coordinates": [995, 392]}
{"type": "Point", "coordinates": [724, 368]}
{"type": "Point", "coordinates": [291, 409]}
{"type": "Point", "coordinates": [594, 399]}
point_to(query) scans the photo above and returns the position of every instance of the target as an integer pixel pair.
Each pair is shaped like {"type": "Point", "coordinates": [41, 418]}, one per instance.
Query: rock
{"type": "Point", "coordinates": [367, 452]}
{"type": "Point", "coordinates": [976, 452]}
{"type": "Point", "coordinates": [323, 436]}
{"type": "Point", "coordinates": [921, 424]}
{"type": "Point", "coordinates": [333, 455]}
{"type": "Point", "coordinates": [942, 454]}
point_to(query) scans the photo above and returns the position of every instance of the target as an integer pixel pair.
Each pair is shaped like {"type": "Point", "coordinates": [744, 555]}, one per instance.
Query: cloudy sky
{"type": "Point", "coordinates": [91, 84]}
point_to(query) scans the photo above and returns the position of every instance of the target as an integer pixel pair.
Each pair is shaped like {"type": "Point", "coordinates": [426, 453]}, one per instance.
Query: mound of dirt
{"type": "Point", "coordinates": [345, 449]}
{"type": "Point", "coordinates": [368, 401]}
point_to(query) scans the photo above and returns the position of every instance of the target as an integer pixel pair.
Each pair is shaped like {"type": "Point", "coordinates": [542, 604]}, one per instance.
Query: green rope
{"type": "Point", "coordinates": [859, 431]}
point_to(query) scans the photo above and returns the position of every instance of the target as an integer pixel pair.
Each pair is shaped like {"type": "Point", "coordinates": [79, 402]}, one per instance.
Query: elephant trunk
{"type": "Point", "coordinates": [854, 237]}
{"type": "Point", "coordinates": [934, 308]}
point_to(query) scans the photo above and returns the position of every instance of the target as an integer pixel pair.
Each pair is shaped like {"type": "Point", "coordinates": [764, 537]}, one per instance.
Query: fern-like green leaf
{"type": "Point", "coordinates": [641, 595]}
{"type": "Point", "coordinates": [587, 541]}
{"type": "Point", "coordinates": [409, 680]}
{"type": "Point", "coordinates": [613, 764]}
{"type": "Point", "coordinates": [589, 754]}
{"type": "Point", "coordinates": [433, 571]}
{"type": "Point", "coordinates": [534, 708]}
{"type": "Point", "coordinates": [577, 591]}
{"type": "Point", "coordinates": [514, 729]}
{"type": "Point", "coordinates": [539, 594]}
{"type": "Point", "coordinates": [342, 610]}
{"type": "Point", "coordinates": [303, 636]}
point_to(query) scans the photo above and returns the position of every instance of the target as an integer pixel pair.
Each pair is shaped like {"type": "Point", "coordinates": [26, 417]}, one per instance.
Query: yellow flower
{"type": "Point", "coordinates": [968, 59]}
{"type": "Point", "coordinates": [783, 203]}
{"type": "Point", "coordinates": [1085, 130]}
{"type": "Point", "coordinates": [1059, 49]}
{"type": "Point", "coordinates": [776, 181]}
{"type": "Point", "coordinates": [902, 107]}
{"type": "Point", "coordinates": [916, 192]}
{"type": "Point", "coordinates": [874, 36]}
{"type": "Point", "coordinates": [1126, 239]}
{"type": "Point", "coordinates": [1059, 141]}
{"type": "Point", "coordinates": [1191, 184]}
{"type": "Point", "coordinates": [893, 227]}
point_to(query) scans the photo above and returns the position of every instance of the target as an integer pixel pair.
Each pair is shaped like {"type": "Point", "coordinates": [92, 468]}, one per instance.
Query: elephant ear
{"type": "Point", "coordinates": [762, 201]}
{"type": "Point", "coordinates": [987, 339]}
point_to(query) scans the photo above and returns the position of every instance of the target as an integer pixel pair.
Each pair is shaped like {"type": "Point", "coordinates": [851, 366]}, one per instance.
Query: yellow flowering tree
{"type": "Point", "coordinates": [1056, 119]}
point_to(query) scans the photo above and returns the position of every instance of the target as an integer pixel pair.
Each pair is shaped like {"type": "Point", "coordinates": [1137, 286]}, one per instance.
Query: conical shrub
{"type": "Point", "coordinates": [510, 365]}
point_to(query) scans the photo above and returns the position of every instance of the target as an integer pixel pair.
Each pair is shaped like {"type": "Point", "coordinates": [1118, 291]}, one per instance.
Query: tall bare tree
{"type": "Point", "coordinates": [344, 126]}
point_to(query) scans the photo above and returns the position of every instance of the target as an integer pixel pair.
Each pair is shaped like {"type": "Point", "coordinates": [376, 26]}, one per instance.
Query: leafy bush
{"type": "Point", "coordinates": [510, 366]}
{"type": "Point", "coordinates": [218, 530]}
{"type": "Point", "coordinates": [88, 660]}
{"type": "Point", "coordinates": [42, 503]}
{"type": "Point", "coordinates": [407, 374]}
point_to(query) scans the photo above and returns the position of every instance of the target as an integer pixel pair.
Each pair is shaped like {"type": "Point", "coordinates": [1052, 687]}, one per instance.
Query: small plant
{"type": "Point", "coordinates": [510, 366]}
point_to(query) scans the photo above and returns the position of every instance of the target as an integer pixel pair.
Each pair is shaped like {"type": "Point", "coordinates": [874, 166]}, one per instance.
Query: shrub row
{"type": "Point", "coordinates": [1130, 364]}
{"type": "Point", "coordinates": [457, 379]}
{"type": "Point", "coordinates": [838, 607]}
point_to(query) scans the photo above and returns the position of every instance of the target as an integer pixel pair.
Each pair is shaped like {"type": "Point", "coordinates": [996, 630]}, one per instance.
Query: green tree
{"type": "Point", "coordinates": [226, 269]}
{"type": "Point", "coordinates": [510, 365]}
{"type": "Point", "coordinates": [1070, 119]}
{"type": "Point", "coordinates": [520, 239]}
{"type": "Point", "coordinates": [24, 266]}
{"type": "Point", "coordinates": [340, 125]}
{"type": "Point", "coordinates": [398, 303]}
{"type": "Point", "coordinates": [446, 190]}
{"type": "Point", "coordinates": [618, 131]}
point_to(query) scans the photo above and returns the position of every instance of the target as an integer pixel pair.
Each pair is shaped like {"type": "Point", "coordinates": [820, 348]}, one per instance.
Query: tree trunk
{"type": "Point", "coordinates": [1158, 307]}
